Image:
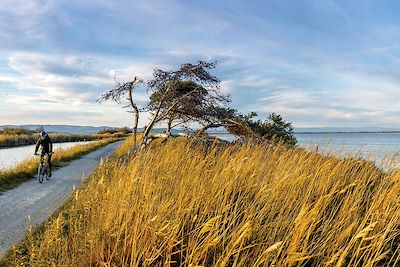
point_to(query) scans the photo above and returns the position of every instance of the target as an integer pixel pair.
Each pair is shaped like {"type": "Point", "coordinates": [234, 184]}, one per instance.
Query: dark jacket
{"type": "Point", "coordinates": [46, 145]}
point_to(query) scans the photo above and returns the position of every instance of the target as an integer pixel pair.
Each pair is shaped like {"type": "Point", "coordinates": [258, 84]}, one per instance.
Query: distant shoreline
{"type": "Point", "coordinates": [78, 129]}
{"type": "Point", "coordinates": [359, 132]}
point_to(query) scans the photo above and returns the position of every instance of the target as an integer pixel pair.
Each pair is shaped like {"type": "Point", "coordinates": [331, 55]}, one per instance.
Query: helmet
{"type": "Point", "coordinates": [43, 134]}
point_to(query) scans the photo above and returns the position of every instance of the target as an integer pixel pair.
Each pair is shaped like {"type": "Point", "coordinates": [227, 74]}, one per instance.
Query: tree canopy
{"type": "Point", "coordinates": [274, 128]}
{"type": "Point", "coordinates": [188, 94]}
{"type": "Point", "coordinates": [191, 94]}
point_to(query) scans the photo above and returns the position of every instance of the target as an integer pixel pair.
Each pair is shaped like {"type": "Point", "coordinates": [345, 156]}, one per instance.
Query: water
{"type": "Point", "coordinates": [10, 157]}
{"type": "Point", "coordinates": [378, 147]}
{"type": "Point", "coordinates": [224, 136]}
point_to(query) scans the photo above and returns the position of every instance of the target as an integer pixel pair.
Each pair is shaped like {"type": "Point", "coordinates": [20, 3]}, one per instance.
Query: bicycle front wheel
{"type": "Point", "coordinates": [40, 174]}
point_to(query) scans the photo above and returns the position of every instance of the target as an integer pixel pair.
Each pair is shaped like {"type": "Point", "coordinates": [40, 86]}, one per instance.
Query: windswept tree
{"type": "Point", "coordinates": [187, 95]}
{"type": "Point", "coordinates": [192, 96]}
{"type": "Point", "coordinates": [121, 91]}
{"type": "Point", "coordinates": [230, 119]}
{"type": "Point", "coordinates": [274, 128]}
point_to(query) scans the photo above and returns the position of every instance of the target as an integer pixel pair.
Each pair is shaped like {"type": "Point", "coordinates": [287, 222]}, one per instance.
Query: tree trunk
{"type": "Point", "coordinates": [210, 125]}
{"type": "Point", "coordinates": [151, 124]}
{"type": "Point", "coordinates": [154, 119]}
{"type": "Point", "coordinates": [135, 116]}
{"type": "Point", "coordinates": [225, 123]}
{"type": "Point", "coordinates": [135, 126]}
{"type": "Point", "coordinates": [169, 124]}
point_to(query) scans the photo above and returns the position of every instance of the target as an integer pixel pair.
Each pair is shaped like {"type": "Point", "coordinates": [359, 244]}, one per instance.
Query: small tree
{"type": "Point", "coordinates": [189, 94]}
{"type": "Point", "coordinates": [118, 93]}
{"type": "Point", "coordinates": [274, 128]}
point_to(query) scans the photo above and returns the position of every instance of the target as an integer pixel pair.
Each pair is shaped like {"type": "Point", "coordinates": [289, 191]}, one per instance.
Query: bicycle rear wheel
{"type": "Point", "coordinates": [40, 174]}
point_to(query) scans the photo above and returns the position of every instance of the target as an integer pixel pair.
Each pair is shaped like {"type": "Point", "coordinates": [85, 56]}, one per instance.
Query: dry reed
{"type": "Point", "coordinates": [182, 204]}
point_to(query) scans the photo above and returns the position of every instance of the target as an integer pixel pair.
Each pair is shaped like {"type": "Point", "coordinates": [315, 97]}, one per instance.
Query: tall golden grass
{"type": "Point", "coordinates": [11, 177]}
{"type": "Point", "coordinates": [183, 204]}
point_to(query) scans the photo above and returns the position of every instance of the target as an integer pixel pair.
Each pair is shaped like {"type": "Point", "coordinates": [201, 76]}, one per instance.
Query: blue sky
{"type": "Point", "coordinates": [318, 63]}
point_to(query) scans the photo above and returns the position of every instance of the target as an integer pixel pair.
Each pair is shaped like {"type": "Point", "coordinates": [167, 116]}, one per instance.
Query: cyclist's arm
{"type": "Point", "coordinates": [51, 147]}
{"type": "Point", "coordinates": [37, 146]}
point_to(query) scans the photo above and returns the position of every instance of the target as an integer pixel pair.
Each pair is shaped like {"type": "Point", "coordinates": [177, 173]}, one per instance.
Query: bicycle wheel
{"type": "Point", "coordinates": [40, 173]}
{"type": "Point", "coordinates": [47, 175]}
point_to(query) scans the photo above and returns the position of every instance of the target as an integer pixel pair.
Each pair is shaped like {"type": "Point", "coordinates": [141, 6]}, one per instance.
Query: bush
{"type": "Point", "coordinates": [16, 131]}
{"type": "Point", "coordinates": [123, 130]}
{"type": "Point", "coordinates": [274, 128]}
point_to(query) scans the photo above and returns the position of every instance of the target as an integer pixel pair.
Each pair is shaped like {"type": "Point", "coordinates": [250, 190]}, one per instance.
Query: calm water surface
{"type": "Point", "coordinates": [379, 147]}
{"type": "Point", "coordinates": [9, 157]}
{"type": "Point", "coordinates": [224, 136]}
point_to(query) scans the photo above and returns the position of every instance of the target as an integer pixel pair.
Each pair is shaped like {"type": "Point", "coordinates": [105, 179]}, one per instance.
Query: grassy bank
{"type": "Point", "coordinates": [249, 205]}
{"type": "Point", "coordinates": [30, 139]}
{"type": "Point", "coordinates": [10, 178]}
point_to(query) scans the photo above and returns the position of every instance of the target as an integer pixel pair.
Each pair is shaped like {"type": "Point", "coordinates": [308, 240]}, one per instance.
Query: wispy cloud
{"type": "Point", "coordinates": [334, 63]}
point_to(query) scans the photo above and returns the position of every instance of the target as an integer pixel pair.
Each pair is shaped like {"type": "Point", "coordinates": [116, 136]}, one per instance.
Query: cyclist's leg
{"type": "Point", "coordinates": [49, 163]}
{"type": "Point", "coordinates": [41, 158]}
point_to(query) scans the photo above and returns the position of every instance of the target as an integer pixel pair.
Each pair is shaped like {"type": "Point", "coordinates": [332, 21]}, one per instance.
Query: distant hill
{"type": "Point", "coordinates": [72, 129]}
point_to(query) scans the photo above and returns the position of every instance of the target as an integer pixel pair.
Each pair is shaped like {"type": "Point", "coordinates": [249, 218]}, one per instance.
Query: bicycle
{"type": "Point", "coordinates": [43, 167]}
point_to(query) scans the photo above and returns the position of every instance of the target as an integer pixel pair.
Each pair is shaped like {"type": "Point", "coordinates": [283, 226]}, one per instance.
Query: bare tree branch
{"type": "Point", "coordinates": [188, 94]}
{"type": "Point", "coordinates": [119, 92]}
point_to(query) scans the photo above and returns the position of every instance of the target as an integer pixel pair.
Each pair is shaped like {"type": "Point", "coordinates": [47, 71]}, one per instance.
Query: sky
{"type": "Point", "coordinates": [318, 63]}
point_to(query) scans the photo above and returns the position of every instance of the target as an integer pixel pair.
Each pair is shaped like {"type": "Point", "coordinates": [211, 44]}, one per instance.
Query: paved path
{"type": "Point", "coordinates": [39, 201]}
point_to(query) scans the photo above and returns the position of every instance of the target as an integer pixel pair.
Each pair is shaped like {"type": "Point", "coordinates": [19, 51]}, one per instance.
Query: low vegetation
{"type": "Point", "coordinates": [123, 130]}
{"type": "Point", "coordinates": [10, 178]}
{"type": "Point", "coordinates": [248, 204]}
{"type": "Point", "coordinates": [274, 128]}
{"type": "Point", "coordinates": [14, 140]}
{"type": "Point", "coordinates": [17, 131]}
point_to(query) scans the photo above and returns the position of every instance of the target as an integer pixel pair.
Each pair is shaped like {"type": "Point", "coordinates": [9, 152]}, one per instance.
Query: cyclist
{"type": "Point", "coordinates": [46, 148]}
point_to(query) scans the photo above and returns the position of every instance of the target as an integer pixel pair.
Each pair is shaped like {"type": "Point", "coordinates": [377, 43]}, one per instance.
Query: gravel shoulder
{"type": "Point", "coordinates": [38, 201]}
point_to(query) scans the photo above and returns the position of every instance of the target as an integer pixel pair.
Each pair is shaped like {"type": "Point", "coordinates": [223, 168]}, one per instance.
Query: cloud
{"type": "Point", "coordinates": [332, 63]}
{"type": "Point", "coordinates": [361, 100]}
{"type": "Point", "coordinates": [39, 64]}
{"type": "Point", "coordinates": [68, 79]}
{"type": "Point", "coordinates": [23, 24]}
{"type": "Point", "coordinates": [64, 90]}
